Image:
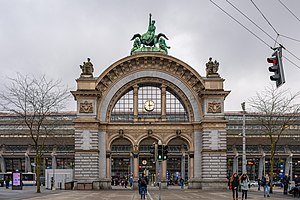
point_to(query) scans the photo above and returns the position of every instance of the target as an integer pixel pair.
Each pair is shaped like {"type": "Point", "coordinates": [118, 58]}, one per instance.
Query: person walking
{"type": "Point", "coordinates": [131, 180]}
{"type": "Point", "coordinates": [258, 184]}
{"type": "Point", "coordinates": [234, 182]}
{"type": "Point", "coordinates": [181, 181]}
{"type": "Point", "coordinates": [7, 182]}
{"type": "Point", "coordinates": [244, 180]}
{"type": "Point", "coordinates": [143, 188]}
{"type": "Point", "coordinates": [285, 183]}
{"type": "Point", "coordinates": [265, 182]}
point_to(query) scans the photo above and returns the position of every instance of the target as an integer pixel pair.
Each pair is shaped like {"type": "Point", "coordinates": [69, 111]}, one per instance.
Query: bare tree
{"type": "Point", "coordinates": [276, 109]}
{"type": "Point", "coordinates": [33, 100]}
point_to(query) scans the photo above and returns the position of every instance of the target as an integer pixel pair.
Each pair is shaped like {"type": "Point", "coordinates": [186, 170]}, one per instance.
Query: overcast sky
{"type": "Point", "coordinates": [54, 37]}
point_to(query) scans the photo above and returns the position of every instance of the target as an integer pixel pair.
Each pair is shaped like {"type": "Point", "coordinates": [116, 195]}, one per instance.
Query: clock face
{"type": "Point", "coordinates": [149, 105]}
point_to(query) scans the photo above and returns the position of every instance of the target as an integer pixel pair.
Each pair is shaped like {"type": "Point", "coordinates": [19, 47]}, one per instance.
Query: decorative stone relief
{"type": "Point", "coordinates": [86, 107]}
{"type": "Point", "coordinates": [151, 62]}
{"type": "Point", "coordinates": [214, 107]}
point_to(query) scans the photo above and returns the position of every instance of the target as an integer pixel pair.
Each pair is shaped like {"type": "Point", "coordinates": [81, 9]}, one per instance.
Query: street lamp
{"type": "Point", "coordinates": [244, 170]}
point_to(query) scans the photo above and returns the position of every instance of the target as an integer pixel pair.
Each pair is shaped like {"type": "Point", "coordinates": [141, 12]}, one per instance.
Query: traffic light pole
{"type": "Point", "coordinates": [159, 195]}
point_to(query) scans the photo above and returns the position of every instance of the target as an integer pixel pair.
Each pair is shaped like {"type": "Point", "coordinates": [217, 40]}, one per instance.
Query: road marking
{"type": "Point", "coordinates": [148, 193]}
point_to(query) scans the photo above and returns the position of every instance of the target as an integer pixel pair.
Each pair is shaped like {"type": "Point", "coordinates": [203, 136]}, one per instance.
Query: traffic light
{"type": "Point", "coordinates": [277, 67]}
{"type": "Point", "coordinates": [152, 151]}
{"type": "Point", "coordinates": [165, 152]}
{"type": "Point", "coordinates": [159, 152]}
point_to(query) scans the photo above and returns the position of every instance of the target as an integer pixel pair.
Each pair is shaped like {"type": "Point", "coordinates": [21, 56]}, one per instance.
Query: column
{"type": "Point", "coordinates": [288, 166]}
{"type": "Point", "coordinates": [235, 167]}
{"type": "Point", "coordinates": [197, 155]}
{"type": "Point", "coordinates": [164, 174]}
{"type": "Point", "coordinates": [102, 155]}
{"type": "Point", "coordinates": [108, 164]}
{"type": "Point", "coordinates": [135, 102]}
{"type": "Point", "coordinates": [183, 165]}
{"type": "Point", "coordinates": [261, 166]}
{"type": "Point", "coordinates": [2, 164]}
{"type": "Point", "coordinates": [163, 102]}
{"type": "Point", "coordinates": [131, 164]}
{"type": "Point", "coordinates": [191, 162]}
{"type": "Point", "coordinates": [27, 163]}
{"type": "Point", "coordinates": [135, 170]}
{"type": "Point", "coordinates": [53, 160]}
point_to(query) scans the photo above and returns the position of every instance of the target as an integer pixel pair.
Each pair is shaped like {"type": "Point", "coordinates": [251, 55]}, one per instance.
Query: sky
{"type": "Point", "coordinates": [54, 37]}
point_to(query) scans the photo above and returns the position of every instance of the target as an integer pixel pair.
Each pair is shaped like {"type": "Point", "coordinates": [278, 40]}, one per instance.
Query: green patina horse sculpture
{"type": "Point", "coordinates": [149, 38]}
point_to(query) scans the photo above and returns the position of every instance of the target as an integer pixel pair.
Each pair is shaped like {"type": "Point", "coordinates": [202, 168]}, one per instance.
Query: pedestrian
{"type": "Point", "coordinates": [181, 181]}
{"type": "Point", "coordinates": [258, 184]}
{"type": "Point", "coordinates": [126, 182]}
{"type": "Point", "coordinates": [143, 188]}
{"type": "Point", "coordinates": [244, 180]}
{"type": "Point", "coordinates": [265, 182]}
{"type": "Point", "coordinates": [131, 180]}
{"type": "Point", "coordinates": [228, 182]}
{"type": "Point", "coordinates": [139, 184]}
{"type": "Point", "coordinates": [285, 183]}
{"type": "Point", "coordinates": [7, 182]}
{"type": "Point", "coordinates": [234, 182]}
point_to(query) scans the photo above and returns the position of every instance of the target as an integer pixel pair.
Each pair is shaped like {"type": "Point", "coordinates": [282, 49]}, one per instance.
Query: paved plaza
{"type": "Point", "coordinates": [175, 193]}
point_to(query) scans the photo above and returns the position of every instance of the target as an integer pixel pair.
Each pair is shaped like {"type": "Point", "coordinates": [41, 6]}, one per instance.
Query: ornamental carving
{"type": "Point", "coordinates": [214, 107]}
{"type": "Point", "coordinates": [86, 107]}
{"type": "Point", "coordinates": [149, 62]}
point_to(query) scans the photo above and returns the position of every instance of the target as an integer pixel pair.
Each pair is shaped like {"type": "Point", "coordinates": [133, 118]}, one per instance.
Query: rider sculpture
{"type": "Point", "coordinates": [148, 39]}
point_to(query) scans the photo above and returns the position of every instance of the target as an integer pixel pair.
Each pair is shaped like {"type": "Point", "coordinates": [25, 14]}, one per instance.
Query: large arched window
{"type": "Point", "coordinates": [123, 110]}
{"type": "Point", "coordinates": [175, 111]}
{"type": "Point", "coordinates": [146, 94]}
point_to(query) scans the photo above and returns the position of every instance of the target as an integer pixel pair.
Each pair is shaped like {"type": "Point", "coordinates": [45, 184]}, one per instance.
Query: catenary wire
{"type": "Point", "coordinates": [264, 17]}
{"type": "Point", "coordinates": [275, 40]}
{"type": "Point", "coordinates": [289, 10]}
{"type": "Point", "coordinates": [254, 33]}
{"type": "Point", "coordinates": [290, 38]}
{"type": "Point", "coordinates": [239, 23]}
{"type": "Point", "coordinates": [291, 62]}
{"type": "Point", "coordinates": [252, 21]}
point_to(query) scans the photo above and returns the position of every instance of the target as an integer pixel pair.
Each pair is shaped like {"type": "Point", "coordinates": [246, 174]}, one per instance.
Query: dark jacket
{"type": "Point", "coordinates": [235, 182]}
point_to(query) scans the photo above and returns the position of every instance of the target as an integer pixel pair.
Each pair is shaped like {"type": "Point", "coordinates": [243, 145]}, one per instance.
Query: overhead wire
{"type": "Point", "coordinates": [291, 62]}
{"type": "Point", "coordinates": [289, 10]}
{"type": "Point", "coordinates": [257, 27]}
{"type": "Point", "coordinates": [264, 17]}
{"type": "Point", "coordinates": [273, 29]}
{"type": "Point", "coordinates": [240, 23]}
{"type": "Point", "coordinates": [290, 38]}
{"type": "Point", "coordinates": [251, 21]}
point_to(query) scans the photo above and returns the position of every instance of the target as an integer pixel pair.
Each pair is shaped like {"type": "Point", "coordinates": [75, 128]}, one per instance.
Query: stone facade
{"type": "Point", "coordinates": [204, 134]}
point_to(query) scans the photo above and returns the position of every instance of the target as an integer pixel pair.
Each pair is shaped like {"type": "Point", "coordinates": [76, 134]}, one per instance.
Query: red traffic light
{"type": "Point", "coordinates": [272, 60]}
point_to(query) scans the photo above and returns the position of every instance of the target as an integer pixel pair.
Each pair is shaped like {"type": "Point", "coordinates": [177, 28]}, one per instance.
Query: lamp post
{"type": "Point", "coordinates": [244, 170]}
{"type": "Point", "coordinates": [264, 171]}
{"type": "Point", "coordinates": [291, 164]}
